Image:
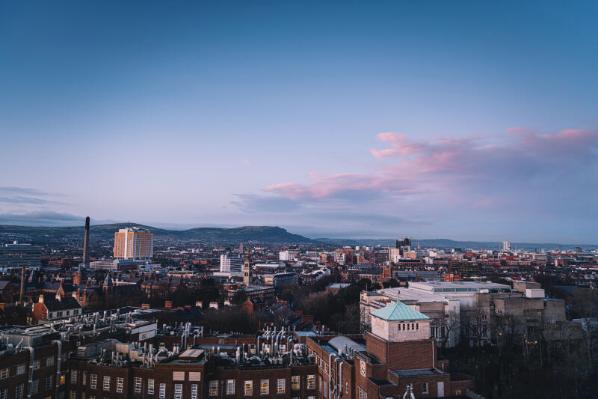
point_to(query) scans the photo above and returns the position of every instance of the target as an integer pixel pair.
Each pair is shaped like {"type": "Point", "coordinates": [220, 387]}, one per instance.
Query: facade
{"type": "Point", "coordinates": [33, 363]}
{"type": "Point", "coordinates": [398, 352]}
{"type": "Point", "coordinates": [54, 307]}
{"type": "Point", "coordinates": [231, 264]}
{"type": "Point", "coordinates": [133, 243]}
{"type": "Point", "coordinates": [475, 311]}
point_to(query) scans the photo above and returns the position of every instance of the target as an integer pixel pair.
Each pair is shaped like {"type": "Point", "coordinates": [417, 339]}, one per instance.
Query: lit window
{"type": "Point", "coordinates": [21, 369]}
{"type": "Point", "coordinates": [93, 381]}
{"type": "Point", "coordinates": [193, 391]}
{"type": "Point", "coordinates": [4, 374]}
{"type": "Point", "coordinates": [178, 391]}
{"type": "Point", "coordinates": [425, 388]}
{"type": "Point", "coordinates": [362, 394]}
{"type": "Point", "coordinates": [264, 387]}
{"type": "Point", "coordinates": [230, 387]}
{"type": "Point", "coordinates": [311, 381]}
{"type": "Point", "coordinates": [213, 388]}
{"type": "Point", "coordinates": [19, 391]}
{"type": "Point", "coordinates": [248, 388]}
{"type": "Point", "coordinates": [137, 384]}
{"type": "Point", "coordinates": [106, 383]}
{"type": "Point", "coordinates": [296, 382]}
{"type": "Point", "coordinates": [150, 386]}
{"type": "Point", "coordinates": [281, 385]}
{"type": "Point", "coordinates": [50, 361]}
{"type": "Point", "coordinates": [73, 395]}
{"type": "Point", "coordinates": [120, 383]}
{"type": "Point", "coordinates": [162, 391]}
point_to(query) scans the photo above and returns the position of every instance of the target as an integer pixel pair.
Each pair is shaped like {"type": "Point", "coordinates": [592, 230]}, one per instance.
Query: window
{"type": "Point", "coordinates": [193, 391]}
{"type": "Point", "coordinates": [93, 381]}
{"type": "Point", "coordinates": [84, 378]}
{"type": "Point", "coordinates": [248, 388]}
{"type": "Point", "coordinates": [49, 383]}
{"type": "Point", "coordinates": [34, 387]}
{"type": "Point", "coordinates": [362, 394]}
{"type": "Point", "coordinates": [150, 386]}
{"type": "Point", "coordinates": [36, 365]}
{"type": "Point", "coordinates": [120, 382]}
{"type": "Point", "coordinates": [281, 385]}
{"type": "Point", "coordinates": [73, 395]}
{"type": "Point", "coordinates": [106, 383]}
{"type": "Point", "coordinates": [296, 382]}
{"type": "Point", "coordinates": [311, 381]}
{"type": "Point", "coordinates": [21, 369]}
{"type": "Point", "coordinates": [50, 361]}
{"type": "Point", "coordinates": [230, 387]}
{"type": "Point", "coordinates": [162, 391]}
{"type": "Point", "coordinates": [4, 374]}
{"type": "Point", "coordinates": [264, 387]}
{"type": "Point", "coordinates": [425, 388]}
{"type": "Point", "coordinates": [178, 391]}
{"type": "Point", "coordinates": [137, 384]}
{"type": "Point", "coordinates": [4, 393]}
{"type": "Point", "coordinates": [73, 376]}
{"type": "Point", "coordinates": [195, 376]}
{"type": "Point", "coordinates": [362, 368]}
{"type": "Point", "coordinates": [178, 376]}
{"type": "Point", "coordinates": [213, 388]}
{"type": "Point", "coordinates": [19, 391]}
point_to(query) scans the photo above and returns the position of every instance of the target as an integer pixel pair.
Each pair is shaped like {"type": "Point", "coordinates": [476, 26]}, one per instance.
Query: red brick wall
{"type": "Point", "coordinates": [403, 355]}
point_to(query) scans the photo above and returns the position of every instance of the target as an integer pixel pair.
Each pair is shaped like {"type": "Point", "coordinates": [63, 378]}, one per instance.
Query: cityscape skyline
{"type": "Point", "coordinates": [459, 120]}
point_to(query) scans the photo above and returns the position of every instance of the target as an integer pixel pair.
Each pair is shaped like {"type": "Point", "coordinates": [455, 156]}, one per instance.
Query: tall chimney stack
{"type": "Point", "coordinates": [86, 243]}
{"type": "Point", "coordinates": [22, 287]}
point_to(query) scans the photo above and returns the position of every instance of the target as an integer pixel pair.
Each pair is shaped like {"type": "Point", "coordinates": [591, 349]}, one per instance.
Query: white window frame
{"type": "Point", "coordinates": [230, 387]}
{"type": "Point", "coordinates": [281, 385]}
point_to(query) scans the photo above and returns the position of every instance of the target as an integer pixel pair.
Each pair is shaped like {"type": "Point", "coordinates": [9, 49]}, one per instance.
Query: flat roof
{"type": "Point", "coordinates": [417, 372]}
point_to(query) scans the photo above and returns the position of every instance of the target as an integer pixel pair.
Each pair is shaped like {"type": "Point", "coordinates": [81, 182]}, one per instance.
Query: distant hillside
{"type": "Point", "coordinates": [442, 243]}
{"type": "Point", "coordinates": [105, 232]}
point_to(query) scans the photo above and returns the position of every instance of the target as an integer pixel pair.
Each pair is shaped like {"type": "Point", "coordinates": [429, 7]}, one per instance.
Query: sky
{"type": "Point", "coordinates": [429, 119]}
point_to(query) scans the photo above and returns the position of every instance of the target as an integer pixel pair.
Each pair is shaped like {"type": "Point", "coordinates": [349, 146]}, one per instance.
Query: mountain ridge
{"type": "Point", "coordinates": [105, 232]}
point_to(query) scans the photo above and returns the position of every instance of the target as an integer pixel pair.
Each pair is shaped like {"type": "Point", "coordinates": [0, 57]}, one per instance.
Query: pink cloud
{"type": "Point", "coordinates": [462, 167]}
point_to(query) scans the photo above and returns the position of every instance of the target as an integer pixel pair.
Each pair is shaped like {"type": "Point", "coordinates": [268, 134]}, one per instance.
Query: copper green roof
{"type": "Point", "coordinates": [398, 311]}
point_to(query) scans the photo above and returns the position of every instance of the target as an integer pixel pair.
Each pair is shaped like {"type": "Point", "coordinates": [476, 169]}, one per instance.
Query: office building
{"type": "Point", "coordinates": [133, 243]}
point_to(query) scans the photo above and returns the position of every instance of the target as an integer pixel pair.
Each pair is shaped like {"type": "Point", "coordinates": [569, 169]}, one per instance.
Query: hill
{"type": "Point", "coordinates": [105, 232]}
{"type": "Point", "coordinates": [443, 243]}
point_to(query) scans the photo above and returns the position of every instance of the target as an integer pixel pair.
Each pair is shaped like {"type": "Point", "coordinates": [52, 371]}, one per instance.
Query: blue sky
{"type": "Point", "coordinates": [371, 119]}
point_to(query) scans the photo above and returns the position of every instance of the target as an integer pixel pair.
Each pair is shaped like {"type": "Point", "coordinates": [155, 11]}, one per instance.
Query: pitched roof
{"type": "Point", "coordinates": [396, 311]}
{"type": "Point", "coordinates": [65, 303]}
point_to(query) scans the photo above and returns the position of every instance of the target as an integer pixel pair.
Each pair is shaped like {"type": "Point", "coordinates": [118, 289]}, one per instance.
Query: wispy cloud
{"type": "Point", "coordinates": [520, 172]}
{"type": "Point", "coordinates": [41, 219]}
{"type": "Point", "coordinates": [10, 195]}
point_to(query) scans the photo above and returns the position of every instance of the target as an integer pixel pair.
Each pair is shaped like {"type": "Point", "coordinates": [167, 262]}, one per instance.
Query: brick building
{"type": "Point", "coordinates": [398, 352]}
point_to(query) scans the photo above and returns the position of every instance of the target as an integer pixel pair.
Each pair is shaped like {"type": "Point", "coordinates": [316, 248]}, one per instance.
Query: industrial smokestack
{"type": "Point", "coordinates": [22, 288]}
{"type": "Point", "coordinates": [86, 243]}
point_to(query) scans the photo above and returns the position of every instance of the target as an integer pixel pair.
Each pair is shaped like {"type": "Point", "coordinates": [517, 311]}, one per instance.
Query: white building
{"type": "Point", "coordinates": [231, 264]}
